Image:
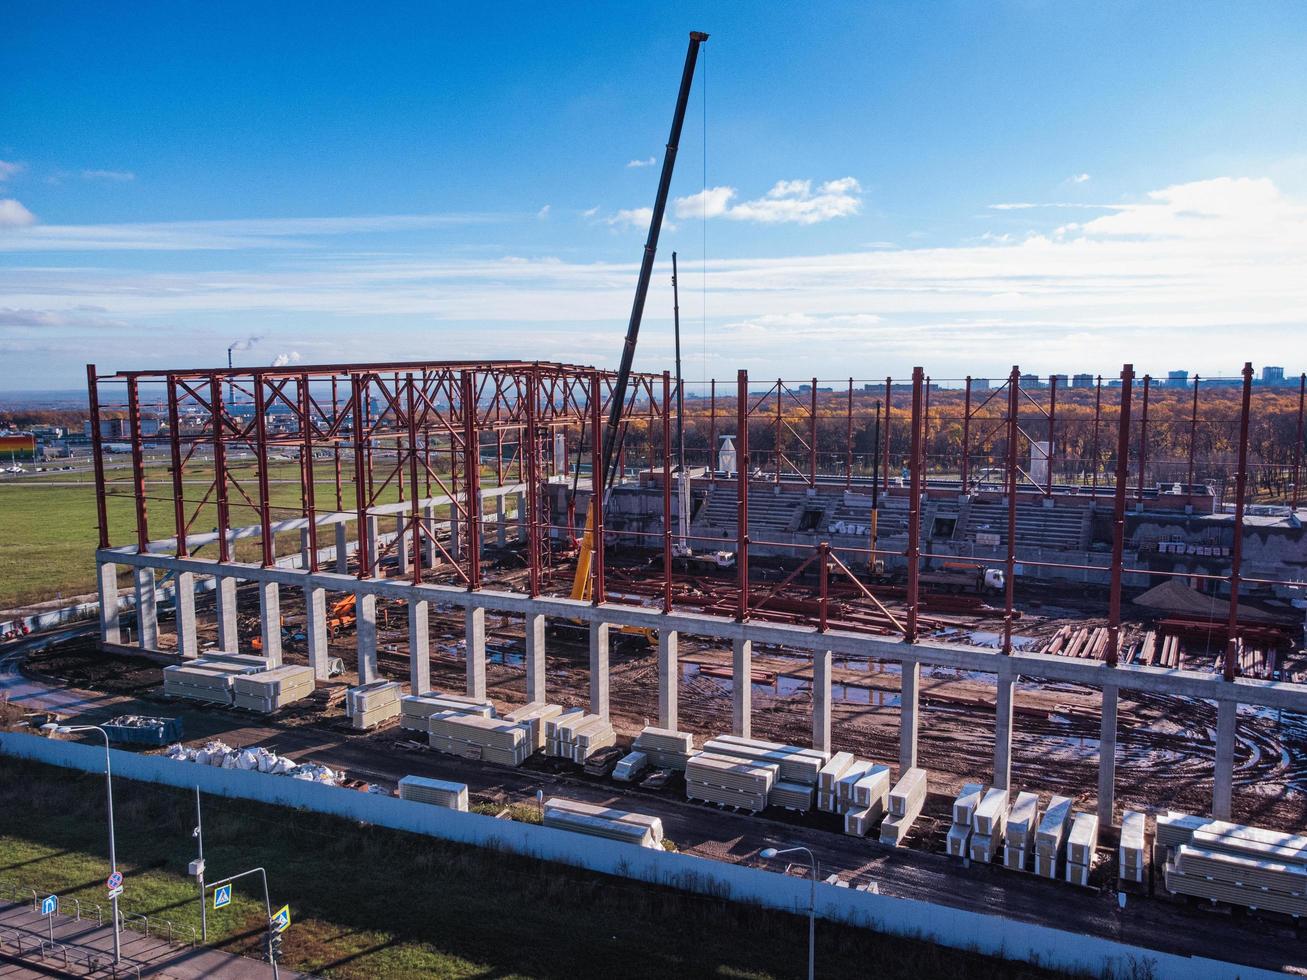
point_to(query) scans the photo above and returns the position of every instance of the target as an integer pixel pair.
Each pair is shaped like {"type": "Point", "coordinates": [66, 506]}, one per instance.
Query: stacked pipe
{"type": "Point", "coordinates": [1234, 863]}
{"type": "Point", "coordinates": [729, 781]}
{"type": "Point", "coordinates": [905, 802]}
{"type": "Point", "coordinates": [964, 808]}
{"type": "Point", "coordinates": [371, 704]}
{"type": "Point", "coordinates": [988, 822]}
{"type": "Point", "coordinates": [438, 792]}
{"type": "Point", "coordinates": [601, 821]}
{"type": "Point", "coordinates": [269, 690]}
{"type": "Point", "coordinates": [1051, 836]}
{"type": "Point", "coordinates": [1019, 838]}
{"type": "Point", "coordinates": [1081, 843]}
{"type": "Point", "coordinates": [1132, 847]}
{"type": "Point", "coordinates": [416, 709]}
{"type": "Point", "coordinates": [664, 748]}
{"type": "Point", "coordinates": [484, 739]}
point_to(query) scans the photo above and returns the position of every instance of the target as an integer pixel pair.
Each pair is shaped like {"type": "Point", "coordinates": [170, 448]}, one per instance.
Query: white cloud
{"type": "Point", "coordinates": [647, 162]}
{"type": "Point", "coordinates": [1078, 178]}
{"type": "Point", "coordinates": [112, 176]}
{"type": "Point", "coordinates": [590, 212]}
{"type": "Point", "coordinates": [10, 168]}
{"type": "Point", "coordinates": [543, 213]}
{"type": "Point", "coordinates": [14, 215]}
{"type": "Point", "coordinates": [631, 218]}
{"type": "Point", "coordinates": [789, 201]}
{"type": "Point", "coordinates": [281, 360]}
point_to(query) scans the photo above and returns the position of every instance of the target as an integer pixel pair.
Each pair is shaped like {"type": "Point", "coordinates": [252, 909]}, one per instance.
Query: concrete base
{"type": "Point", "coordinates": [742, 688]}
{"type": "Point", "coordinates": [669, 676]}
{"type": "Point", "coordinates": [599, 669]}
{"type": "Point", "coordinates": [225, 599]}
{"type": "Point", "coordinates": [535, 657]}
{"type": "Point", "coordinates": [476, 653]}
{"type": "Point", "coordinates": [147, 612]}
{"type": "Point", "coordinates": [365, 608]}
{"type": "Point", "coordinates": [1107, 759]}
{"type": "Point", "coordinates": [909, 710]}
{"type": "Point", "coordinates": [188, 645]}
{"type": "Point", "coordinates": [821, 700]}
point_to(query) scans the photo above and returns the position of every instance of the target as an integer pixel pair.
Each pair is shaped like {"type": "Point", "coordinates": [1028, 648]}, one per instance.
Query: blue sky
{"type": "Point", "coordinates": [960, 185]}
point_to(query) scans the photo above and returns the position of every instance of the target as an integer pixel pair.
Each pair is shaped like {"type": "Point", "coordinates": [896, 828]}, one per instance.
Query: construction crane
{"type": "Point", "coordinates": [581, 584]}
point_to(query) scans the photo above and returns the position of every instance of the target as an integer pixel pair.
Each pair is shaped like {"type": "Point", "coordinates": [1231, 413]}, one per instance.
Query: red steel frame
{"type": "Point", "coordinates": [416, 431]}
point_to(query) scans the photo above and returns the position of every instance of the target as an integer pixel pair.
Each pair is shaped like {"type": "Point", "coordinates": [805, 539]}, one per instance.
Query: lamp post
{"type": "Point", "coordinates": [108, 790]}
{"type": "Point", "coordinates": [771, 852]}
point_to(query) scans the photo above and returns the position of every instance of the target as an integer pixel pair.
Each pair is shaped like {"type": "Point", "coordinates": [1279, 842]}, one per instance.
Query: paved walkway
{"type": "Point", "coordinates": [151, 953]}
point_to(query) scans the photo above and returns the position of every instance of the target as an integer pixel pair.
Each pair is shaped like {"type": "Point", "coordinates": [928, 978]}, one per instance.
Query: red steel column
{"type": "Point", "coordinates": [472, 479]}
{"type": "Point", "coordinates": [138, 466]}
{"type": "Point", "coordinates": [261, 467]}
{"type": "Point", "coordinates": [667, 491]}
{"type": "Point", "coordinates": [1009, 597]}
{"type": "Point", "coordinates": [1193, 445]}
{"type": "Point", "coordinates": [533, 485]}
{"type": "Point", "coordinates": [966, 433]}
{"type": "Point", "coordinates": [97, 453]}
{"type": "Point", "coordinates": [1297, 444]}
{"type": "Point", "coordinates": [219, 469]}
{"type": "Point", "coordinates": [1143, 439]}
{"type": "Point", "coordinates": [1118, 516]}
{"type": "Point", "coordinates": [1236, 549]}
{"type": "Point", "coordinates": [823, 586]}
{"type": "Point", "coordinates": [812, 436]}
{"type": "Point", "coordinates": [712, 432]}
{"type": "Point", "coordinates": [1098, 417]}
{"type": "Point", "coordinates": [848, 441]}
{"type": "Point", "coordinates": [306, 467]}
{"type": "Point", "coordinates": [415, 512]}
{"type": "Point", "coordinates": [1052, 424]}
{"type": "Point", "coordinates": [175, 443]}
{"type": "Point", "coordinates": [597, 488]}
{"type": "Point", "coordinates": [888, 386]}
{"type": "Point", "coordinates": [742, 469]}
{"type": "Point", "coordinates": [361, 501]}
{"type": "Point", "coordinates": [780, 385]}
{"type": "Point", "coordinates": [914, 505]}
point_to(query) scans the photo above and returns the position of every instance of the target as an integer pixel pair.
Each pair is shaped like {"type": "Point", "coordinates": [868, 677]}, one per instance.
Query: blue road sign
{"type": "Point", "coordinates": [50, 905]}
{"type": "Point", "coordinates": [221, 896]}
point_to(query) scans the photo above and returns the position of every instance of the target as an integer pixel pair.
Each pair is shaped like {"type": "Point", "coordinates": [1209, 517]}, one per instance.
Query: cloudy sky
{"type": "Point", "coordinates": [860, 188]}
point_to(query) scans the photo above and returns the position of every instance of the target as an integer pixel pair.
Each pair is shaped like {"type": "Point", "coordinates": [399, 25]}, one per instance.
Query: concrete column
{"type": "Point", "coordinates": [669, 676]}
{"type": "Point", "coordinates": [821, 700]}
{"type": "Point", "coordinates": [306, 549]}
{"type": "Point", "coordinates": [535, 657]}
{"type": "Point", "coordinates": [315, 629]}
{"type": "Point", "coordinates": [342, 548]}
{"type": "Point", "coordinates": [1003, 727]}
{"type": "Point", "coordinates": [419, 648]}
{"type": "Point", "coordinates": [476, 653]}
{"type": "Point", "coordinates": [188, 645]}
{"type": "Point", "coordinates": [455, 539]}
{"type": "Point", "coordinates": [270, 622]}
{"type": "Point", "coordinates": [599, 669]}
{"type": "Point", "coordinates": [106, 579]}
{"type": "Point", "coordinates": [520, 503]}
{"type": "Point", "coordinates": [272, 546]}
{"type": "Point", "coordinates": [428, 537]}
{"type": "Point", "coordinates": [1227, 713]}
{"type": "Point", "coordinates": [401, 545]}
{"type": "Point", "coordinates": [228, 639]}
{"type": "Point", "coordinates": [365, 608]}
{"type": "Point", "coordinates": [147, 612]}
{"type": "Point", "coordinates": [742, 688]}
{"type": "Point", "coordinates": [1107, 757]}
{"type": "Point", "coordinates": [374, 550]}
{"type": "Point", "coordinates": [501, 532]}
{"type": "Point", "coordinates": [909, 712]}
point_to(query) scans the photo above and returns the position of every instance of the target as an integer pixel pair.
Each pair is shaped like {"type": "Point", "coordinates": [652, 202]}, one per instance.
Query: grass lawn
{"type": "Point", "coordinates": [368, 902]}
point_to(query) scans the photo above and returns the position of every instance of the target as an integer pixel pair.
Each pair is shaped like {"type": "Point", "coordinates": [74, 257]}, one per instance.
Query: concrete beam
{"type": "Point", "coordinates": [821, 700]}
{"type": "Point", "coordinates": [1005, 682]}
{"type": "Point", "coordinates": [535, 657]}
{"type": "Point", "coordinates": [1107, 759]}
{"type": "Point", "coordinates": [909, 712]}
{"type": "Point", "coordinates": [669, 678]}
{"type": "Point", "coordinates": [419, 648]}
{"type": "Point", "coordinates": [225, 600]}
{"type": "Point", "coordinates": [365, 609]}
{"type": "Point", "coordinates": [188, 645]}
{"type": "Point", "coordinates": [106, 581]}
{"type": "Point", "coordinates": [742, 688]}
{"type": "Point", "coordinates": [476, 653]}
{"type": "Point", "coordinates": [147, 611]}
{"type": "Point", "coordinates": [270, 622]}
{"type": "Point", "coordinates": [1227, 714]}
{"type": "Point", "coordinates": [599, 669]}
{"type": "Point", "coordinates": [315, 629]}
{"type": "Point", "coordinates": [342, 549]}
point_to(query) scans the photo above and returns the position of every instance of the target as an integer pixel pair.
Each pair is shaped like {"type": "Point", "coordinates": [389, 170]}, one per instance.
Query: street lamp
{"type": "Point", "coordinates": [108, 790]}
{"type": "Point", "coordinates": [771, 852]}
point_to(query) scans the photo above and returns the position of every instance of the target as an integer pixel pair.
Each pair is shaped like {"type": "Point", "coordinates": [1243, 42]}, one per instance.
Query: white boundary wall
{"type": "Point", "coordinates": [946, 926]}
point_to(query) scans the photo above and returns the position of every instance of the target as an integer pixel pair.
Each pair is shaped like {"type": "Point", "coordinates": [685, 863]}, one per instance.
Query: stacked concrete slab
{"type": "Point", "coordinates": [209, 678]}
{"type": "Point", "coordinates": [575, 735]}
{"type": "Point", "coordinates": [437, 792]}
{"type": "Point", "coordinates": [988, 822]}
{"type": "Point", "coordinates": [494, 740]}
{"type": "Point", "coordinates": [1132, 851]}
{"type": "Point", "coordinates": [602, 821]}
{"type": "Point", "coordinates": [533, 717]}
{"type": "Point", "coordinates": [1081, 844]}
{"type": "Point", "coordinates": [795, 764]}
{"type": "Point", "coordinates": [1234, 863]}
{"type": "Point", "coordinates": [729, 781]}
{"type": "Point", "coordinates": [964, 808]}
{"type": "Point", "coordinates": [665, 748]}
{"type": "Point", "coordinates": [829, 775]}
{"type": "Point", "coordinates": [1019, 837]}
{"type": "Point", "coordinates": [268, 690]}
{"type": "Point", "coordinates": [369, 705]}
{"type": "Point", "coordinates": [416, 709]}
{"type": "Point", "coordinates": [864, 798]}
{"type": "Point", "coordinates": [1050, 838]}
{"type": "Point", "coordinates": [905, 802]}
{"type": "Point", "coordinates": [630, 766]}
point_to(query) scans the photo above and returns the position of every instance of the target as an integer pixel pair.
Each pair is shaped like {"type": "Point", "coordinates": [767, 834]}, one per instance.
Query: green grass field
{"type": "Point", "coordinates": [368, 902]}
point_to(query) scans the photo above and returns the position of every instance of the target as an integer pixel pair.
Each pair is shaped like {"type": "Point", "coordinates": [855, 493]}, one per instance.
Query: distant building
{"type": "Point", "coordinates": [1272, 375]}
{"type": "Point", "coordinates": [1082, 381]}
{"type": "Point", "coordinates": [20, 445]}
{"type": "Point", "coordinates": [980, 384]}
{"type": "Point", "coordinates": [1177, 379]}
{"type": "Point", "coordinates": [1031, 381]}
{"type": "Point", "coordinates": [1061, 380]}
